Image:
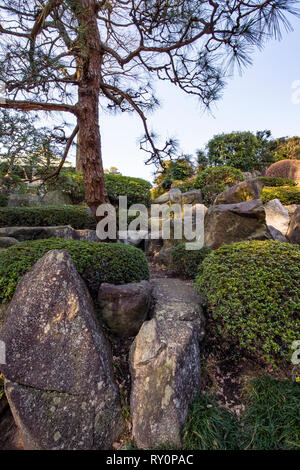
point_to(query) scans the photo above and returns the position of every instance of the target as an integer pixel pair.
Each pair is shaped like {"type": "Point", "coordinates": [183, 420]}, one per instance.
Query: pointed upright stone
{"type": "Point", "coordinates": [58, 371]}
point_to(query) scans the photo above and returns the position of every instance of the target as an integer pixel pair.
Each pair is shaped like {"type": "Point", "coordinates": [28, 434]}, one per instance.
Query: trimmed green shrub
{"type": "Point", "coordinates": [285, 194]}
{"type": "Point", "coordinates": [273, 182]}
{"type": "Point", "coordinates": [186, 262]}
{"type": "Point", "coordinates": [78, 217]}
{"type": "Point", "coordinates": [96, 263]}
{"type": "Point", "coordinates": [214, 180]}
{"type": "Point", "coordinates": [137, 190]}
{"type": "Point", "coordinates": [252, 292]}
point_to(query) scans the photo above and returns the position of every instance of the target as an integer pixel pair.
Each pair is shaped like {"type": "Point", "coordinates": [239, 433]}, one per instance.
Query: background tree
{"type": "Point", "coordinates": [112, 171]}
{"type": "Point", "coordinates": [65, 55]}
{"type": "Point", "coordinates": [179, 169]}
{"type": "Point", "coordinates": [286, 148]}
{"type": "Point", "coordinates": [27, 150]}
{"type": "Point", "coordinates": [243, 150]}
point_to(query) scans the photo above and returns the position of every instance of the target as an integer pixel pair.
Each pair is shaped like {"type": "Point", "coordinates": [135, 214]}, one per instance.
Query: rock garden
{"type": "Point", "coordinates": [144, 343]}
{"type": "Point", "coordinates": [137, 315]}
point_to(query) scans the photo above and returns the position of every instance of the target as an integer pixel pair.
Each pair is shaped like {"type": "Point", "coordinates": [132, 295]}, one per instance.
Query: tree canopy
{"type": "Point", "coordinates": [286, 148]}
{"type": "Point", "coordinates": [243, 150]}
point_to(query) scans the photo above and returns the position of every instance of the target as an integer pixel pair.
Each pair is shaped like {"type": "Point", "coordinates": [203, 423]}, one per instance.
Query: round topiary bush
{"type": "Point", "coordinates": [285, 169]}
{"type": "Point", "coordinates": [96, 262]}
{"type": "Point", "coordinates": [137, 190]}
{"type": "Point", "coordinates": [185, 262]}
{"type": "Point", "coordinates": [214, 180]}
{"type": "Point", "coordinates": [252, 291]}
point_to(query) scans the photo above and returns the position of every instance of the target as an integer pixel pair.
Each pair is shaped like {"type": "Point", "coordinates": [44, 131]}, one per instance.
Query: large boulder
{"type": "Point", "coordinates": [174, 299]}
{"type": "Point", "coordinates": [23, 200]}
{"type": "Point", "coordinates": [162, 199]}
{"type": "Point", "coordinates": [229, 223]}
{"type": "Point", "coordinates": [277, 216]}
{"type": "Point", "coordinates": [58, 371]}
{"type": "Point", "coordinates": [56, 198]}
{"type": "Point", "coordinates": [38, 233]}
{"type": "Point", "coordinates": [124, 308]}
{"type": "Point", "coordinates": [175, 196]}
{"type": "Point", "coordinates": [160, 249]}
{"type": "Point", "coordinates": [285, 169]}
{"type": "Point", "coordinates": [165, 372]}
{"type": "Point", "coordinates": [192, 197]}
{"type": "Point", "coordinates": [6, 242]}
{"type": "Point", "coordinates": [291, 208]}
{"type": "Point", "coordinates": [241, 192]}
{"type": "Point", "coordinates": [248, 175]}
{"type": "Point", "coordinates": [294, 230]}
{"type": "Point", "coordinates": [276, 235]}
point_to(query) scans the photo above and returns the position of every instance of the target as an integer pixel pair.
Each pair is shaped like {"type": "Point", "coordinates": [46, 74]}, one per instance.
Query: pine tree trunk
{"type": "Point", "coordinates": [78, 160]}
{"type": "Point", "coordinates": [88, 108]}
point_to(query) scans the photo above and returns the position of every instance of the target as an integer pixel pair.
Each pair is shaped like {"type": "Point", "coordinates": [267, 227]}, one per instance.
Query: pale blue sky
{"type": "Point", "coordinates": [259, 99]}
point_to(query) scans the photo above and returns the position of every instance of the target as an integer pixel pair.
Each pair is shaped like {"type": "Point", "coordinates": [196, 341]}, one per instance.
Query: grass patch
{"type": "Point", "coordinates": [210, 427]}
{"type": "Point", "coordinates": [271, 420]}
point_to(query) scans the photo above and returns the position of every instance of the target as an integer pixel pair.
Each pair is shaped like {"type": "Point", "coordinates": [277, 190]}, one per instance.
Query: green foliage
{"type": "Point", "coordinates": [243, 150]}
{"type": "Point", "coordinates": [3, 200]}
{"type": "Point", "coordinates": [274, 182]}
{"type": "Point", "coordinates": [180, 169]}
{"type": "Point", "coordinates": [45, 216]}
{"type": "Point", "coordinates": [137, 190]}
{"type": "Point", "coordinates": [287, 195]}
{"type": "Point", "coordinates": [96, 262]}
{"type": "Point", "coordinates": [253, 295]}
{"type": "Point", "coordinates": [11, 183]}
{"type": "Point", "coordinates": [28, 149]}
{"type": "Point", "coordinates": [68, 181]}
{"type": "Point", "coordinates": [209, 426]}
{"type": "Point", "coordinates": [286, 148]}
{"type": "Point", "coordinates": [186, 262]}
{"type": "Point", "coordinates": [184, 186]}
{"type": "Point", "coordinates": [271, 420]}
{"type": "Point", "coordinates": [213, 181]}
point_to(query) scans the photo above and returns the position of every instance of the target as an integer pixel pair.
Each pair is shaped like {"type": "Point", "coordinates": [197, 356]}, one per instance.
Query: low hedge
{"type": "Point", "coordinates": [78, 217]}
{"type": "Point", "coordinates": [252, 292]}
{"type": "Point", "coordinates": [273, 182]}
{"type": "Point", "coordinates": [137, 190]}
{"type": "Point", "coordinates": [287, 195]}
{"type": "Point", "coordinates": [185, 262]}
{"type": "Point", "coordinates": [96, 263]}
